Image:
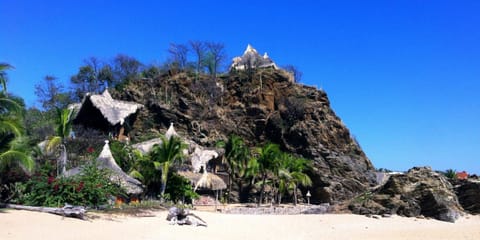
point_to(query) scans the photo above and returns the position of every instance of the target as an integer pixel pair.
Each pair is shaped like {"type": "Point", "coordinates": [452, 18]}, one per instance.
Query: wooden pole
{"type": "Point", "coordinates": [216, 199]}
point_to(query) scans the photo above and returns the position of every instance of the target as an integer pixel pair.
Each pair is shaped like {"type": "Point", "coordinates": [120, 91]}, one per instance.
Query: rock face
{"type": "Point", "coordinates": [260, 106]}
{"type": "Point", "coordinates": [468, 192]}
{"type": "Point", "coordinates": [420, 191]}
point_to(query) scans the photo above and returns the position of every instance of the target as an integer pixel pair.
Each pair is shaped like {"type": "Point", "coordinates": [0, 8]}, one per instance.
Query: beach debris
{"type": "Point", "coordinates": [66, 211]}
{"type": "Point", "coordinates": [180, 216]}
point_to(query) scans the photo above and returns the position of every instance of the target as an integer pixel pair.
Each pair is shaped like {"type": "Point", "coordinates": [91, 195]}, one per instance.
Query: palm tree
{"type": "Point", "coordinates": [11, 130]}
{"type": "Point", "coordinates": [167, 153]}
{"type": "Point", "coordinates": [266, 162]}
{"type": "Point", "coordinates": [3, 76]}
{"type": "Point", "coordinates": [291, 173]}
{"type": "Point", "coordinates": [451, 173]}
{"type": "Point", "coordinates": [64, 127]}
{"type": "Point", "coordinates": [237, 158]}
{"type": "Point", "coordinates": [12, 147]}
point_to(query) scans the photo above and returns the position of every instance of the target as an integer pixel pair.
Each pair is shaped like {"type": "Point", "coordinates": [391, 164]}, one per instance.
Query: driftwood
{"type": "Point", "coordinates": [66, 211]}
{"type": "Point", "coordinates": [184, 217]}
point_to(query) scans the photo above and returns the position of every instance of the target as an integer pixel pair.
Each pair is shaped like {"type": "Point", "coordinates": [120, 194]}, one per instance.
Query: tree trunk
{"type": "Point", "coordinates": [262, 189]}
{"type": "Point", "coordinates": [162, 190]}
{"type": "Point", "coordinates": [62, 160]}
{"type": "Point", "coordinates": [230, 181]}
{"type": "Point", "coordinates": [67, 211]}
{"type": "Point", "coordinates": [295, 195]}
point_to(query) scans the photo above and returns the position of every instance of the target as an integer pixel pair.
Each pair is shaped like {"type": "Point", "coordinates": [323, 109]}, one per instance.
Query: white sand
{"type": "Point", "coordinates": [15, 224]}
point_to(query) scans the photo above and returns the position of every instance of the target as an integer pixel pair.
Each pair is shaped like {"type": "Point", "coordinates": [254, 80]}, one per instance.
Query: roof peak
{"type": "Point", "coordinates": [250, 49]}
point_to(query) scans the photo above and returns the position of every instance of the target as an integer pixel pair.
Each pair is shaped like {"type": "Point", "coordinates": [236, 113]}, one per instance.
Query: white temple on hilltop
{"type": "Point", "coordinates": [252, 59]}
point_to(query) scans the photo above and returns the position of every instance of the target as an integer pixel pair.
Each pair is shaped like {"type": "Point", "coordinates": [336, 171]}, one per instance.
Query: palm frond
{"type": "Point", "coordinates": [3, 75]}
{"type": "Point", "coordinates": [136, 174]}
{"type": "Point", "coordinates": [11, 126]}
{"type": "Point", "coordinates": [53, 143]}
{"type": "Point", "coordinates": [9, 105]}
{"type": "Point", "coordinates": [13, 156]}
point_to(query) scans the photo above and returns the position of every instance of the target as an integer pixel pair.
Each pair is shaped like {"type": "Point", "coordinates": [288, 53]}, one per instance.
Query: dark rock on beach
{"type": "Point", "coordinates": [468, 192]}
{"type": "Point", "coordinates": [419, 192]}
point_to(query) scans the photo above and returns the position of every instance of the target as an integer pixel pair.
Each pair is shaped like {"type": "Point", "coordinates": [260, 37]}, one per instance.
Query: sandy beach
{"type": "Point", "coordinates": [18, 224]}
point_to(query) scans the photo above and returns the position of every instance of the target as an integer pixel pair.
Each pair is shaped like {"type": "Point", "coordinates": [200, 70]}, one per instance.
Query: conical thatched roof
{"type": "Point", "coordinates": [204, 180]}
{"type": "Point", "coordinates": [106, 161]}
{"type": "Point", "coordinates": [113, 111]}
{"type": "Point", "coordinates": [171, 132]}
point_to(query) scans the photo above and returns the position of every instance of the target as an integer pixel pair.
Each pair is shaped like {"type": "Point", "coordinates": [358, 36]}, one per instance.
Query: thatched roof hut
{"type": "Point", "coordinates": [102, 112]}
{"type": "Point", "coordinates": [106, 161]}
{"type": "Point", "coordinates": [204, 180]}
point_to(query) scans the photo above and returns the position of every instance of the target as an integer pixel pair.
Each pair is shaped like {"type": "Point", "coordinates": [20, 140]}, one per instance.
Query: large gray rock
{"type": "Point", "coordinates": [468, 192]}
{"type": "Point", "coordinates": [420, 191]}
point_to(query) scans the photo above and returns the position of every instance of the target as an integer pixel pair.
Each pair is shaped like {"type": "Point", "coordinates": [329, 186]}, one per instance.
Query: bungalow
{"type": "Point", "coordinates": [102, 112]}
{"type": "Point", "coordinates": [252, 59]}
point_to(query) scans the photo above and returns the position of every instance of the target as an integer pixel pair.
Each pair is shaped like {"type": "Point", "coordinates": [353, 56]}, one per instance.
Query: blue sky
{"type": "Point", "coordinates": [404, 76]}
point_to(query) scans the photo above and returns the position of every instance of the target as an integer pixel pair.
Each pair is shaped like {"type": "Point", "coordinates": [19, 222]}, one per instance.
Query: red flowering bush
{"type": "Point", "coordinates": [90, 188]}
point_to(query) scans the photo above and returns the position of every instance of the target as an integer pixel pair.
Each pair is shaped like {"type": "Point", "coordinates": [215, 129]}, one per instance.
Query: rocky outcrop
{"type": "Point", "coordinates": [468, 192]}
{"type": "Point", "coordinates": [419, 192]}
{"type": "Point", "coordinates": [260, 106]}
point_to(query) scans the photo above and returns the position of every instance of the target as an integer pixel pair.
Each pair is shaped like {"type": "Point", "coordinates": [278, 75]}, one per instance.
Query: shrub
{"type": "Point", "coordinates": [90, 188]}
{"type": "Point", "coordinates": [180, 189]}
{"type": "Point", "coordinates": [123, 155]}
{"type": "Point", "coordinates": [451, 173]}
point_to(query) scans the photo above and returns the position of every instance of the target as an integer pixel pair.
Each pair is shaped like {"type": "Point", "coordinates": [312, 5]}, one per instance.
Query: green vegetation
{"type": "Point", "coordinates": [250, 169]}
{"type": "Point", "coordinates": [450, 173]}
{"type": "Point", "coordinates": [14, 152]}
{"type": "Point", "coordinates": [239, 164]}
{"type": "Point", "coordinates": [91, 188]}
{"type": "Point", "coordinates": [64, 127]}
{"type": "Point", "coordinates": [167, 154]}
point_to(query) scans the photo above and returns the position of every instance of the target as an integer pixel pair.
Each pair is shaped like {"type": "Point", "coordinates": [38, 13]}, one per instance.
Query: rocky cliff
{"type": "Point", "coordinates": [260, 106]}
{"type": "Point", "coordinates": [418, 192]}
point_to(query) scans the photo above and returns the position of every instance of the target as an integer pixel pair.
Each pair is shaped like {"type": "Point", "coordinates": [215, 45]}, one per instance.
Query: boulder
{"type": "Point", "coordinates": [419, 192]}
{"type": "Point", "coordinates": [468, 192]}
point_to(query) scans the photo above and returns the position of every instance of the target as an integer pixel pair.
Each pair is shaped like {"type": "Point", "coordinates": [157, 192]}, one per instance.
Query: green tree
{"type": "Point", "coordinates": [11, 129]}
{"type": "Point", "coordinates": [266, 161]}
{"type": "Point", "coordinates": [167, 154]}
{"type": "Point", "coordinates": [64, 127]}
{"type": "Point", "coordinates": [125, 68]}
{"type": "Point", "coordinates": [3, 76]}
{"type": "Point", "coordinates": [451, 173]}
{"type": "Point", "coordinates": [238, 159]}
{"type": "Point", "coordinates": [214, 58]}
{"type": "Point", "coordinates": [291, 173]}
{"type": "Point", "coordinates": [51, 94]}
{"type": "Point", "coordinates": [145, 169]}
{"type": "Point", "coordinates": [93, 77]}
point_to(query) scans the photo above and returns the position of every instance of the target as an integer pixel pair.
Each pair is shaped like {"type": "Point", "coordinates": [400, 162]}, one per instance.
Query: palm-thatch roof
{"type": "Point", "coordinates": [204, 180]}
{"type": "Point", "coordinates": [102, 111]}
{"type": "Point", "coordinates": [171, 132]}
{"type": "Point", "coordinates": [146, 147]}
{"type": "Point", "coordinates": [252, 59]}
{"type": "Point", "coordinates": [106, 161]}
{"type": "Point", "coordinates": [200, 157]}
